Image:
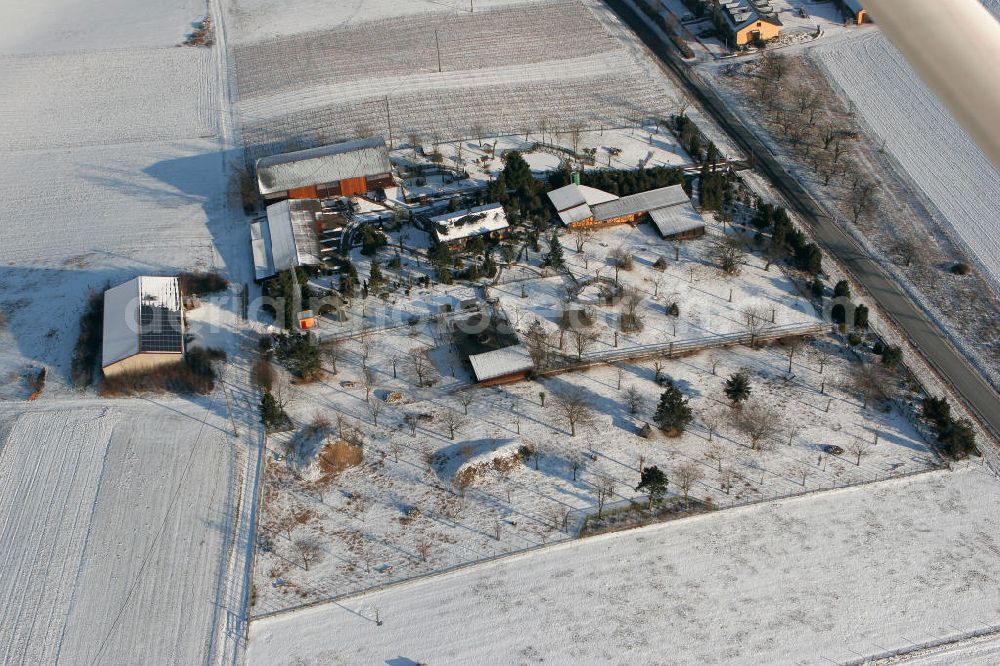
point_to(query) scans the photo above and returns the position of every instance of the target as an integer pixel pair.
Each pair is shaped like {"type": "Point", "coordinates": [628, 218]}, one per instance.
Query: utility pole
{"type": "Point", "coordinates": [388, 121]}
{"type": "Point", "coordinates": [437, 44]}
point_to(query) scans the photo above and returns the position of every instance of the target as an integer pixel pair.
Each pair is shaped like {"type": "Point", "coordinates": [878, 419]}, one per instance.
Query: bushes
{"type": "Point", "coordinates": [87, 352]}
{"type": "Point", "coordinates": [622, 183]}
{"type": "Point", "coordinates": [194, 375]}
{"type": "Point", "coordinates": [956, 437]}
{"type": "Point", "coordinates": [272, 414]}
{"type": "Point", "coordinates": [199, 284]}
{"type": "Point", "coordinates": [298, 353]}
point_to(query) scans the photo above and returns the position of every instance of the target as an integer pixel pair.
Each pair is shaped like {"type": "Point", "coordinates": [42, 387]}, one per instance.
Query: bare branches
{"type": "Point", "coordinates": [574, 407]}
{"type": "Point", "coordinates": [453, 421]}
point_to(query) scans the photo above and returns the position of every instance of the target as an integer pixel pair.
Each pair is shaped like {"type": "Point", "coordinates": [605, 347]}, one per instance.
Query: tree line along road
{"type": "Point", "coordinates": [927, 337]}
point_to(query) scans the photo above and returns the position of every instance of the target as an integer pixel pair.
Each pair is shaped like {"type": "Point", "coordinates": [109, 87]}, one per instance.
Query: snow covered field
{"type": "Point", "coordinates": [564, 63]}
{"type": "Point", "coordinates": [919, 132]}
{"type": "Point", "coordinates": [115, 522]}
{"type": "Point", "coordinates": [835, 577]}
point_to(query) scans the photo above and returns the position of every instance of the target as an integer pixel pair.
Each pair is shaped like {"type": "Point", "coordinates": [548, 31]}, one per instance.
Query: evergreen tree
{"type": "Point", "coordinates": [555, 256]}
{"type": "Point", "coordinates": [272, 415]}
{"type": "Point", "coordinates": [936, 410]}
{"type": "Point", "coordinates": [817, 287]}
{"type": "Point", "coordinates": [673, 413]}
{"type": "Point", "coordinates": [375, 277]}
{"type": "Point", "coordinates": [654, 482]}
{"type": "Point", "coordinates": [842, 290]}
{"type": "Point", "coordinates": [892, 356]}
{"type": "Point", "coordinates": [809, 257]}
{"type": "Point", "coordinates": [737, 387]}
{"type": "Point", "coordinates": [861, 316]}
{"type": "Point", "coordinates": [957, 438]}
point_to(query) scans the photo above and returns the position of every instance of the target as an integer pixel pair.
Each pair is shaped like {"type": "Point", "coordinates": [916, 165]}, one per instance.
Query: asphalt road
{"type": "Point", "coordinates": [930, 340]}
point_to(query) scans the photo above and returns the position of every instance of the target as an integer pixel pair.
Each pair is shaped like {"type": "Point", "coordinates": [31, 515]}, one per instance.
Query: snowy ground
{"type": "Point", "coordinates": [371, 520]}
{"type": "Point", "coordinates": [833, 577]}
{"type": "Point", "coordinates": [928, 143]}
{"type": "Point", "coordinates": [565, 63]}
{"type": "Point", "coordinates": [116, 523]}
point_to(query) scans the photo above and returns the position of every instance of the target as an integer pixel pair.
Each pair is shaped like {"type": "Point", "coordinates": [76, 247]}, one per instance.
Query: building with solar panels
{"type": "Point", "coordinates": [143, 325]}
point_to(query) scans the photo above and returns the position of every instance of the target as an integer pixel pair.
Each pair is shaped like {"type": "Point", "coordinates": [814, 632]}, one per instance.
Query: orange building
{"type": "Point", "coordinates": [341, 169]}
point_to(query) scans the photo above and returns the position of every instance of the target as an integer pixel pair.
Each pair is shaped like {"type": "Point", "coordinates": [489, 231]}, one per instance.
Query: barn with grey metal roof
{"type": "Point", "coordinates": [278, 175]}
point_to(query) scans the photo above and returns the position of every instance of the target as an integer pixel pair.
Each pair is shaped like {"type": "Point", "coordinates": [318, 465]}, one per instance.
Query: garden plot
{"type": "Point", "coordinates": [400, 507]}
{"type": "Point", "coordinates": [710, 304]}
{"type": "Point", "coordinates": [836, 578]}
{"type": "Point", "coordinates": [115, 524]}
{"type": "Point", "coordinates": [933, 150]}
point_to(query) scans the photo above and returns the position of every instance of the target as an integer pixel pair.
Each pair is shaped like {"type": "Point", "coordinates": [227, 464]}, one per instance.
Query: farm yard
{"type": "Point", "coordinates": [395, 467]}
{"type": "Point", "coordinates": [833, 577]}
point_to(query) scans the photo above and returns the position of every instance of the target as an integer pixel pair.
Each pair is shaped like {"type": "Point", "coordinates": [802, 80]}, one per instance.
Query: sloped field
{"type": "Point", "coordinates": [934, 151]}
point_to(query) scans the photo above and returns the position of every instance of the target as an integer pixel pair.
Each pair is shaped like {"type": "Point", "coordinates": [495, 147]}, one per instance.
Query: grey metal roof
{"type": "Point", "coordinates": [326, 164]}
{"type": "Point", "coordinates": [577, 214]}
{"type": "Point", "coordinates": [677, 219]}
{"type": "Point", "coordinates": [572, 195]}
{"type": "Point", "coordinates": [500, 362]}
{"type": "Point", "coordinates": [287, 238]}
{"type": "Point", "coordinates": [640, 203]}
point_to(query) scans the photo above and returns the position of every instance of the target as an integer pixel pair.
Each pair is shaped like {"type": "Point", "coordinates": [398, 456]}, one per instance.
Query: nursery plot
{"type": "Point", "coordinates": [919, 132]}
{"type": "Point", "coordinates": [409, 507]}
{"type": "Point", "coordinates": [402, 47]}
{"type": "Point", "coordinates": [830, 578]}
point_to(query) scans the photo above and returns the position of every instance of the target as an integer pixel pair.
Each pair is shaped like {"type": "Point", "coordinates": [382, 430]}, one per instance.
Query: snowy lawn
{"type": "Point", "coordinates": [400, 510]}
{"type": "Point", "coordinates": [115, 520]}
{"type": "Point", "coordinates": [833, 577]}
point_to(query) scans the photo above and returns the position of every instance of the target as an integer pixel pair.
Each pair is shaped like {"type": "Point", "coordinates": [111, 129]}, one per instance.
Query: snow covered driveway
{"type": "Point", "coordinates": [824, 578]}
{"type": "Point", "coordinates": [115, 527]}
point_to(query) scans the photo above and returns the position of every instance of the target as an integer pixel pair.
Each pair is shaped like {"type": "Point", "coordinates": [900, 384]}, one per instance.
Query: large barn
{"type": "Point", "coordinates": [286, 239]}
{"type": "Point", "coordinates": [143, 325]}
{"type": "Point", "coordinates": [341, 169]}
{"type": "Point", "coordinates": [668, 208]}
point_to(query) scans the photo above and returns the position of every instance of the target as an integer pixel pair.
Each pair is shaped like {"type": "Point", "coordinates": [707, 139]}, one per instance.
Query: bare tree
{"type": "Point", "coordinates": [574, 407]}
{"type": "Point", "coordinates": [366, 343]}
{"type": "Point", "coordinates": [411, 421]}
{"type": "Point", "coordinates": [421, 366]}
{"type": "Point", "coordinates": [633, 399]}
{"type": "Point", "coordinates": [631, 299]}
{"type": "Point", "coordinates": [727, 479]}
{"type": "Point", "coordinates": [453, 421]}
{"type": "Point", "coordinates": [803, 472]}
{"type": "Point", "coordinates": [871, 381]}
{"type": "Point", "coordinates": [308, 549]}
{"type": "Point", "coordinates": [822, 356]}
{"type": "Point", "coordinates": [539, 344]}
{"type": "Point", "coordinates": [368, 381]}
{"type": "Point", "coordinates": [759, 421]}
{"type": "Point", "coordinates": [581, 236]}
{"type": "Point", "coordinates": [576, 464]}
{"type": "Point", "coordinates": [582, 341]}
{"type": "Point", "coordinates": [466, 397]}
{"type": "Point", "coordinates": [728, 253]}
{"type": "Point", "coordinates": [605, 491]}
{"type": "Point", "coordinates": [658, 365]}
{"type": "Point", "coordinates": [686, 476]}
{"type": "Point", "coordinates": [862, 199]}
{"type": "Point", "coordinates": [619, 374]}
{"type": "Point", "coordinates": [374, 408]}
{"type": "Point", "coordinates": [756, 321]}
{"type": "Point", "coordinates": [792, 347]}
{"type": "Point", "coordinates": [332, 350]}
{"type": "Point", "coordinates": [423, 549]}
{"type": "Point", "coordinates": [858, 448]}
{"type": "Point", "coordinates": [715, 360]}
{"type": "Point", "coordinates": [712, 419]}
{"type": "Point", "coordinates": [395, 448]}
{"type": "Point", "coordinates": [716, 452]}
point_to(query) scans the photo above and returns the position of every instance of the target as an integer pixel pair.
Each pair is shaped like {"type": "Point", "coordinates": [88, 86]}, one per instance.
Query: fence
{"type": "Point", "coordinates": [683, 346]}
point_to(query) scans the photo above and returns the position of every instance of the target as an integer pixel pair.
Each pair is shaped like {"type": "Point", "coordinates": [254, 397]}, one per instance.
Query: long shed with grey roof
{"type": "Point", "coordinates": [340, 169]}
{"type": "Point", "coordinates": [286, 239]}
{"type": "Point", "coordinates": [143, 325]}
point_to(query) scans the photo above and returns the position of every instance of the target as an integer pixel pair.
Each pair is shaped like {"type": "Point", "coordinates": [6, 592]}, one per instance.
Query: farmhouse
{"type": "Point", "coordinates": [143, 325]}
{"type": "Point", "coordinates": [342, 169]}
{"type": "Point", "coordinates": [749, 21]}
{"type": "Point", "coordinates": [454, 229]}
{"type": "Point", "coordinates": [287, 238]}
{"type": "Point", "coordinates": [669, 209]}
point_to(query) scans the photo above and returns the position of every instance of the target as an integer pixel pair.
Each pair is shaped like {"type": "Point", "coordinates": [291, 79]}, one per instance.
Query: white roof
{"type": "Point", "coordinates": [326, 164]}
{"type": "Point", "coordinates": [573, 215]}
{"type": "Point", "coordinates": [142, 315]}
{"type": "Point", "coordinates": [500, 362]}
{"type": "Point", "coordinates": [572, 195]}
{"type": "Point", "coordinates": [678, 219]}
{"type": "Point", "coordinates": [472, 222]}
{"type": "Point", "coordinates": [286, 239]}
